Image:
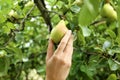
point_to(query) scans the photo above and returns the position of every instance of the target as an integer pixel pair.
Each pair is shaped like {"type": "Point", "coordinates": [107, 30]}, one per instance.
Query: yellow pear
{"type": "Point", "coordinates": [109, 12]}
{"type": "Point", "coordinates": [58, 32]}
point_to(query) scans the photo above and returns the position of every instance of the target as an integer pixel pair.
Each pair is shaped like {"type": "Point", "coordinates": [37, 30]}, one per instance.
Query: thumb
{"type": "Point", "coordinates": [50, 50]}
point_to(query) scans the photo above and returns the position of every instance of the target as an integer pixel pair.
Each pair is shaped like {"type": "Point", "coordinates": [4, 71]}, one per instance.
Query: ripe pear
{"type": "Point", "coordinates": [109, 12]}
{"type": "Point", "coordinates": [58, 32]}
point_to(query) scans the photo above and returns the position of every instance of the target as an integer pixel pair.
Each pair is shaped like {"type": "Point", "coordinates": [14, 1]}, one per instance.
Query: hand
{"type": "Point", "coordinates": [58, 62]}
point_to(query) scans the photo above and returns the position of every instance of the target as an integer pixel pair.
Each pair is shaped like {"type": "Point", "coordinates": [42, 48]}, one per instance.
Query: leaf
{"type": "Point", "coordinates": [98, 49]}
{"type": "Point", "coordinates": [111, 33]}
{"type": "Point", "coordinates": [51, 2]}
{"type": "Point", "coordinates": [75, 9]}
{"type": "Point", "coordinates": [118, 13]}
{"type": "Point", "coordinates": [10, 25]}
{"type": "Point", "coordinates": [86, 31]}
{"type": "Point", "coordinates": [114, 51]}
{"type": "Point", "coordinates": [87, 70]}
{"type": "Point", "coordinates": [118, 40]}
{"type": "Point", "coordinates": [88, 12]}
{"type": "Point", "coordinates": [16, 52]}
{"type": "Point", "coordinates": [2, 18]}
{"type": "Point", "coordinates": [60, 4]}
{"type": "Point", "coordinates": [80, 38]}
{"type": "Point", "coordinates": [113, 66]}
{"type": "Point", "coordinates": [4, 64]}
{"type": "Point", "coordinates": [106, 44]}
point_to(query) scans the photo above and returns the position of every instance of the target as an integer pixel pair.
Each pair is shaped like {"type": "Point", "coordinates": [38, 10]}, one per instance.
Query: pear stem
{"type": "Point", "coordinates": [107, 1]}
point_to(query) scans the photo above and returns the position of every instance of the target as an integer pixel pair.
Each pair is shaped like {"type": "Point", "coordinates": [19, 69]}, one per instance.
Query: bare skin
{"type": "Point", "coordinates": [58, 62]}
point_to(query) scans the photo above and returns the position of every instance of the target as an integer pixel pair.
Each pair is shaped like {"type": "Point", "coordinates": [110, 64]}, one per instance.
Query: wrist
{"type": "Point", "coordinates": [51, 78]}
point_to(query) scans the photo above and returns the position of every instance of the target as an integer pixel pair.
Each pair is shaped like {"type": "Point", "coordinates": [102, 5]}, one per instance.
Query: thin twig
{"type": "Point", "coordinates": [98, 22]}
{"type": "Point", "coordinates": [60, 15]}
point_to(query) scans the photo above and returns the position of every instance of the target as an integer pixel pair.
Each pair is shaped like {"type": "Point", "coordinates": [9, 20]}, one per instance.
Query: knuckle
{"type": "Point", "coordinates": [62, 62]}
{"type": "Point", "coordinates": [65, 63]}
{"type": "Point", "coordinates": [56, 58]}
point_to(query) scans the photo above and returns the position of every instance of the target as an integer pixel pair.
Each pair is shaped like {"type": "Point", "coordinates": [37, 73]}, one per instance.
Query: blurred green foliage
{"type": "Point", "coordinates": [96, 42]}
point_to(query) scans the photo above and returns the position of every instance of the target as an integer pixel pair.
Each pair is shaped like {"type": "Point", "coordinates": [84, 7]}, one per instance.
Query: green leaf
{"type": "Point", "coordinates": [16, 52]}
{"type": "Point", "coordinates": [4, 64]}
{"type": "Point", "coordinates": [10, 25]}
{"type": "Point", "coordinates": [2, 18]}
{"type": "Point", "coordinates": [113, 66]}
{"type": "Point", "coordinates": [111, 33]}
{"type": "Point", "coordinates": [114, 51]}
{"type": "Point", "coordinates": [86, 31]}
{"type": "Point", "coordinates": [75, 9]}
{"type": "Point", "coordinates": [106, 44]}
{"type": "Point", "coordinates": [118, 40]}
{"type": "Point", "coordinates": [87, 70]}
{"type": "Point", "coordinates": [51, 2]}
{"type": "Point", "coordinates": [88, 12]}
{"type": "Point", "coordinates": [118, 12]}
{"type": "Point", "coordinates": [80, 38]}
{"type": "Point", "coordinates": [60, 4]}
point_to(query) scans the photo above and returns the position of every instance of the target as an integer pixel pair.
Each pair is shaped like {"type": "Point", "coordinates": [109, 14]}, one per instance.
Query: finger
{"type": "Point", "coordinates": [69, 48]}
{"type": "Point", "coordinates": [50, 50]}
{"type": "Point", "coordinates": [63, 42]}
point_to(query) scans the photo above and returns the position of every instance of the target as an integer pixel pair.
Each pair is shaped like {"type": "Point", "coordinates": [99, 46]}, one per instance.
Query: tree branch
{"type": "Point", "coordinates": [41, 6]}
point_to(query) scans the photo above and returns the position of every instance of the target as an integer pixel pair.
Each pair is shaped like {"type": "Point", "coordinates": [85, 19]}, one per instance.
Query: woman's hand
{"type": "Point", "coordinates": [58, 62]}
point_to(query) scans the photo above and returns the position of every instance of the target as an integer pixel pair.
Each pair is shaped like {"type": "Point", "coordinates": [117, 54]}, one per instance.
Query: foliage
{"type": "Point", "coordinates": [24, 39]}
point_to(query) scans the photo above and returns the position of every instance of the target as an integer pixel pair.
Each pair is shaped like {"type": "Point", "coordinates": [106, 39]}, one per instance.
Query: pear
{"type": "Point", "coordinates": [109, 12]}
{"type": "Point", "coordinates": [58, 32]}
{"type": "Point", "coordinates": [112, 77]}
